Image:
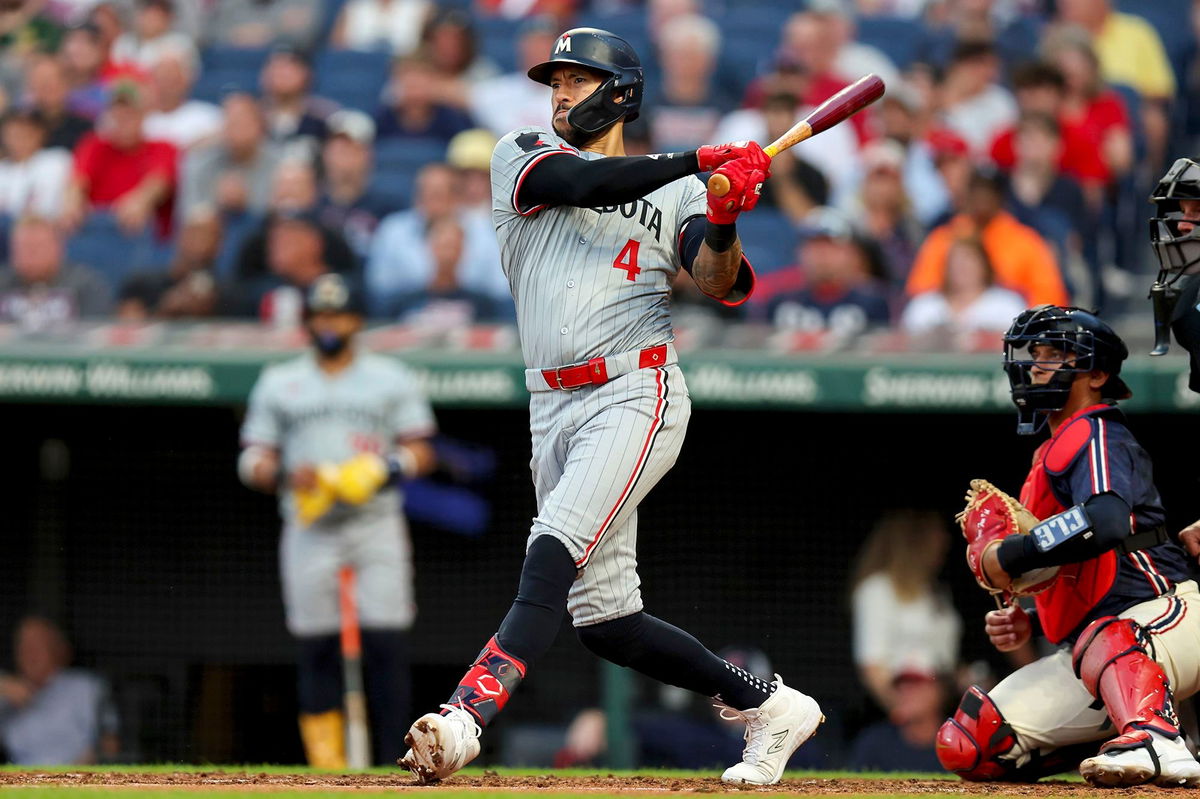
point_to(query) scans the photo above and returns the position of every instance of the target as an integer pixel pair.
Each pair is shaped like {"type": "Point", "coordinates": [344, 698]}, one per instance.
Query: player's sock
{"type": "Point", "coordinates": [525, 634]}
{"type": "Point", "coordinates": [671, 655]}
{"type": "Point", "coordinates": [389, 691]}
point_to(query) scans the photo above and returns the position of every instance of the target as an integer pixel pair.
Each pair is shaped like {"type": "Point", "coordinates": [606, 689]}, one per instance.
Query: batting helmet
{"type": "Point", "coordinates": [605, 52]}
{"type": "Point", "coordinates": [332, 293]}
{"type": "Point", "coordinates": [1092, 343]}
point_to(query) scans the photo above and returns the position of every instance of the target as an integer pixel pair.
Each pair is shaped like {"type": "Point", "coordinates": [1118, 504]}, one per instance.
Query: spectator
{"type": "Point", "coordinates": [118, 169]}
{"type": "Point", "coordinates": [188, 288]}
{"type": "Point", "coordinates": [836, 291]}
{"type": "Point", "coordinates": [32, 179]}
{"type": "Point", "coordinates": [967, 302]}
{"type": "Point", "coordinates": [953, 165]}
{"type": "Point", "coordinates": [1022, 259]}
{"type": "Point", "coordinates": [907, 740]}
{"type": "Point", "coordinates": [444, 303]}
{"type": "Point", "coordinates": [51, 714]}
{"type": "Point", "coordinates": [38, 289]}
{"type": "Point", "coordinates": [152, 35]}
{"type": "Point", "coordinates": [400, 261]}
{"type": "Point", "coordinates": [510, 101]}
{"type": "Point", "coordinates": [262, 23]}
{"type": "Point", "coordinates": [449, 41]}
{"type": "Point", "coordinates": [854, 58]}
{"type": "Point", "coordinates": [392, 25]}
{"type": "Point", "coordinates": [234, 172]}
{"type": "Point", "coordinates": [82, 61]}
{"type": "Point", "coordinates": [414, 109]}
{"type": "Point", "coordinates": [902, 119]}
{"type": "Point", "coordinates": [292, 111]}
{"type": "Point", "coordinates": [884, 209]}
{"type": "Point", "coordinates": [175, 117]}
{"type": "Point", "coordinates": [293, 194]}
{"type": "Point", "coordinates": [902, 619]}
{"type": "Point", "coordinates": [974, 105]}
{"type": "Point", "coordinates": [470, 153]}
{"type": "Point", "coordinates": [1012, 29]}
{"type": "Point", "coordinates": [688, 106]}
{"type": "Point", "coordinates": [347, 203]}
{"type": "Point", "coordinates": [295, 256]}
{"type": "Point", "coordinates": [47, 91]}
{"type": "Point", "coordinates": [1115, 36]}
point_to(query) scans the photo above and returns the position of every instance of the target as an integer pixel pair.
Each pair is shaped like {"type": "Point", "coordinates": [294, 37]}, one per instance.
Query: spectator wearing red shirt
{"type": "Point", "coordinates": [118, 169]}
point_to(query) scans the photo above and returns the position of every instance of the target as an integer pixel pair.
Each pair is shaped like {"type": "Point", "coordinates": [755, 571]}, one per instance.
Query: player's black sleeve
{"type": "Point", "coordinates": [567, 180]}
{"type": "Point", "coordinates": [1109, 515]}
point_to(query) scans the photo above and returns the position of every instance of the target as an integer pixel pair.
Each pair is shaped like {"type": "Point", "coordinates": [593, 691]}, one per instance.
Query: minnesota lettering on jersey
{"type": "Point", "coordinates": [648, 216]}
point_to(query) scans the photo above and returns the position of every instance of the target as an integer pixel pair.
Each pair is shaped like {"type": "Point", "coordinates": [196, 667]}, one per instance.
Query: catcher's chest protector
{"type": "Point", "coordinates": [1080, 586]}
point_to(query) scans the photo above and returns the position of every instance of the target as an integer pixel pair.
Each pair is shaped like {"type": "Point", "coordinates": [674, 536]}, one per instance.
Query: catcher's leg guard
{"type": "Point", "coordinates": [486, 687]}
{"type": "Point", "coordinates": [1110, 658]}
{"type": "Point", "coordinates": [324, 737]}
{"type": "Point", "coordinates": [971, 741]}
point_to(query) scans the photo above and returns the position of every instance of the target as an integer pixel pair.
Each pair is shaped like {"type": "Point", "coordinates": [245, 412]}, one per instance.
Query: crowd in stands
{"type": "Point", "coordinates": [167, 159]}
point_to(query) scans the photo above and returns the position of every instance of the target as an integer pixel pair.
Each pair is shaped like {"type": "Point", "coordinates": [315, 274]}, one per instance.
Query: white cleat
{"type": "Point", "coordinates": [1161, 760]}
{"type": "Point", "coordinates": [774, 730]}
{"type": "Point", "coordinates": [441, 744]}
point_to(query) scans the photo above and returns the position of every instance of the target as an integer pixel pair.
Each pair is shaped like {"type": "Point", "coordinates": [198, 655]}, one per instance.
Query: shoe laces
{"type": "Point", "coordinates": [461, 715]}
{"type": "Point", "coordinates": [755, 735]}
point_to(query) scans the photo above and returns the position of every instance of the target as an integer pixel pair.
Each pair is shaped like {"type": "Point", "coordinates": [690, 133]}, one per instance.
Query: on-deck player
{"type": "Point", "coordinates": [366, 412]}
{"type": "Point", "coordinates": [590, 241]}
{"type": "Point", "coordinates": [1122, 598]}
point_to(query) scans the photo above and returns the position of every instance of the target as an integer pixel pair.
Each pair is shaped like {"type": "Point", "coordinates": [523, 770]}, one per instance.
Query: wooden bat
{"type": "Point", "coordinates": [358, 736]}
{"type": "Point", "coordinates": [841, 106]}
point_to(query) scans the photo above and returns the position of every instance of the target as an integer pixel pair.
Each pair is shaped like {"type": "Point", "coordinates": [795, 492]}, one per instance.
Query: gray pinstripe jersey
{"type": "Point", "coordinates": [586, 281]}
{"type": "Point", "coordinates": [312, 417]}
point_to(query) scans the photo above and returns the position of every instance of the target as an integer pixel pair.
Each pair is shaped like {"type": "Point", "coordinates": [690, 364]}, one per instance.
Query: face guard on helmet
{"type": "Point", "coordinates": [1087, 344]}
{"type": "Point", "coordinates": [607, 53]}
{"type": "Point", "coordinates": [1177, 250]}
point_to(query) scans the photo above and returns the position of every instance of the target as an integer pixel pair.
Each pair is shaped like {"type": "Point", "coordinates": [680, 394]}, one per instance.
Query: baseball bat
{"type": "Point", "coordinates": [841, 106]}
{"type": "Point", "coordinates": [358, 737]}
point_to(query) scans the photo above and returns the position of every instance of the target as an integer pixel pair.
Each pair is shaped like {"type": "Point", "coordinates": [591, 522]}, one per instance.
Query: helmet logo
{"type": "Point", "coordinates": [564, 45]}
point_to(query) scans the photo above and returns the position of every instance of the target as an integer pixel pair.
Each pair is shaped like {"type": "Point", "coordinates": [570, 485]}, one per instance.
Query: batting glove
{"type": "Point", "coordinates": [711, 156]}
{"type": "Point", "coordinates": [361, 477]}
{"type": "Point", "coordinates": [313, 503]}
{"type": "Point", "coordinates": [745, 187]}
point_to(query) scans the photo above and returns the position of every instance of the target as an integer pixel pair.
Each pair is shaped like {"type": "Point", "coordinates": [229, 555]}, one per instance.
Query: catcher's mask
{"type": "Point", "coordinates": [1185, 324]}
{"type": "Point", "coordinates": [605, 52]}
{"type": "Point", "coordinates": [1087, 340]}
{"type": "Point", "coordinates": [1176, 248]}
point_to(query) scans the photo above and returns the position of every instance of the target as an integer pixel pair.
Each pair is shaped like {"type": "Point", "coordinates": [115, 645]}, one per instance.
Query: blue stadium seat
{"type": "Point", "coordinates": [395, 186]}
{"type": "Point", "coordinates": [768, 239]}
{"type": "Point", "coordinates": [100, 244]}
{"type": "Point", "coordinates": [407, 154]}
{"type": "Point", "coordinates": [353, 78]}
{"type": "Point", "coordinates": [899, 38]}
{"type": "Point", "coordinates": [225, 68]}
{"type": "Point", "coordinates": [497, 39]}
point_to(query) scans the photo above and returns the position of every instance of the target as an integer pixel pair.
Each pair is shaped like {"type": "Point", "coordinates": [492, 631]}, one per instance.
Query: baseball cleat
{"type": "Point", "coordinates": [1141, 757]}
{"type": "Point", "coordinates": [441, 744]}
{"type": "Point", "coordinates": [774, 730]}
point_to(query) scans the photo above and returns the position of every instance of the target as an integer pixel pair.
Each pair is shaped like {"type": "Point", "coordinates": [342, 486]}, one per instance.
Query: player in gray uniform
{"type": "Point", "coordinates": [591, 241]}
{"type": "Point", "coordinates": [329, 430]}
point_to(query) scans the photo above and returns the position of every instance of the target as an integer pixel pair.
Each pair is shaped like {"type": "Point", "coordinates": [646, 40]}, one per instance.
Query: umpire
{"type": "Point", "coordinates": [329, 431]}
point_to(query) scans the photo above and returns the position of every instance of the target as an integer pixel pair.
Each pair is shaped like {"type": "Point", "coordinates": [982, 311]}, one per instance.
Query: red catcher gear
{"type": "Point", "coordinates": [486, 687]}
{"type": "Point", "coordinates": [1111, 660]}
{"type": "Point", "coordinates": [971, 740]}
{"type": "Point", "coordinates": [745, 184]}
{"type": "Point", "coordinates": [711, 156]}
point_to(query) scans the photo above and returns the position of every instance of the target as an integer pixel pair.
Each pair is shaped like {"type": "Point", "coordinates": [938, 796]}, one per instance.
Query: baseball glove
{"type": "Point", "coordinates": [989, 517]}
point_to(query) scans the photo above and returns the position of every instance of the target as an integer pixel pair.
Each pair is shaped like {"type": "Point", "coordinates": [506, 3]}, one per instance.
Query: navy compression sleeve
{"type": "Point", "coordinates": [1109, 515]}
{"type": "Point", "coordinates": [567, 180]}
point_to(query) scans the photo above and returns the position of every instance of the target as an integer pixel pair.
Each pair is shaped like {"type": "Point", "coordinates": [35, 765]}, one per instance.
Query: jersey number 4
{"type": "Point", "coordinates": [627, 260]}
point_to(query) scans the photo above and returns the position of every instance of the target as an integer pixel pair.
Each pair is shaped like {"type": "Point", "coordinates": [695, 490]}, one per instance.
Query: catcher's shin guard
{"type": "Point", "coordinates": [972, 740]}
{"type": "Point", "coordinates": [486, 687]}
{"type": "Point", "coordinates": [324, 737]}
{"type": "Point", "coordinates": [1111, 660]}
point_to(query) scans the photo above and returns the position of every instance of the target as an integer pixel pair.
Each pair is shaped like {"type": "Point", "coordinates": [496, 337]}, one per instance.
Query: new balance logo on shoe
{"type": "Point", "coordinates": [780, 738]}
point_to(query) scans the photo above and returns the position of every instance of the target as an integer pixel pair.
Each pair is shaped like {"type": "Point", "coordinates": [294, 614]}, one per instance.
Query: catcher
{"type": "Point", "coordinates": [1107, 582]}
{"type": "Point", "coordinates": [328, 431]}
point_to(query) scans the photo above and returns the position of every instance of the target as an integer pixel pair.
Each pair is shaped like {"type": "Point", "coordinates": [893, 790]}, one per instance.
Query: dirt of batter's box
{"type": "Point", "coordinates": [550, 782]}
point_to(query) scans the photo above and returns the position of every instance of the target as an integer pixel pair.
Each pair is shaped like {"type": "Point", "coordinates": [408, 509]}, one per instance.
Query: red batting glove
{"type": "Point", "coordinates": [712, 156]}
{"type": "Point", "coordinates": [745, 187]}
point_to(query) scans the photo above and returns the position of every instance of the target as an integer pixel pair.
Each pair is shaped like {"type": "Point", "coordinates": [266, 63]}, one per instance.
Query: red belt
{"type": "Point", "coordinates": [595, 371]}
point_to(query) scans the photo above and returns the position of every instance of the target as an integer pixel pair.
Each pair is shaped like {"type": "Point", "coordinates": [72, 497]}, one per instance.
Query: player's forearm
{"type": "Point", "coordinates": [1108, 518]}
{"type": "Point", "coordinates": [567, 180]}
{"type": "Point", "coordinates": [715, 272]}
{"type": "Point", "coordinates": [413, 459]}
{"type": "Point", "coordinates": [258, 468]}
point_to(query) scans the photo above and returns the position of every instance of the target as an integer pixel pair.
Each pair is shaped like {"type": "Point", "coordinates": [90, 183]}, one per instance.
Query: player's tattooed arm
{"type": "Point", "coordinates": [712, 255]}
{"type": "Point", "coordinates": [715, 271]}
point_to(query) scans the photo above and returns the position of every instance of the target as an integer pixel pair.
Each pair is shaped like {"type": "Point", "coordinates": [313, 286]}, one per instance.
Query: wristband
{"type": "Point", "coordinates": [720, 238]}
{"type": "Point", "coordinates": [402, 465]}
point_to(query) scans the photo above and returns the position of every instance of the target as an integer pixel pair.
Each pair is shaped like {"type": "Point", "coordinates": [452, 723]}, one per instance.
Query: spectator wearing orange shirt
{"type": "Point", "coordinates": [1022, 259]}
{"type": "Point", "coordinates": [118, 169]}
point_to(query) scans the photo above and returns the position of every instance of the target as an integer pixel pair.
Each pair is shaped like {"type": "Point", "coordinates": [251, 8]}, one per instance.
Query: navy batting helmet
{"type": "Point", "coordinates": [332, 293]}
{"type": "Point", "coordinates": [1087, 338]}
{"type": "Point", "coordinates": [605, 52]}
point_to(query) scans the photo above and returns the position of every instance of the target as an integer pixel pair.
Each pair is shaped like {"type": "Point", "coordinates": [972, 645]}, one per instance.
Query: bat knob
{"type": "Point", "coordinates": [718, 185]}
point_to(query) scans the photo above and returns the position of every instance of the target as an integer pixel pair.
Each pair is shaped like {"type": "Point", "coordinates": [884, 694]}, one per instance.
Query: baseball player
{"type": "Point", "coordinates": [1121, 602]}
{"type": "Point", "coordinates": [1175, 236]}
{"type": "Point", "coordinates": [590, 242]}
{"type": "Point", "coordinates": [328, 431]}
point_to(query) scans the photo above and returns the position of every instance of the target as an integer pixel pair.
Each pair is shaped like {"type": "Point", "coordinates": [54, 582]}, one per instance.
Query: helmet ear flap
{"type": "Point", "coordinates": [598, 110]}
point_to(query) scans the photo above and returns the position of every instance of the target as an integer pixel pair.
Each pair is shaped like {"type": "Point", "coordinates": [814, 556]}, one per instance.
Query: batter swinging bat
{"type": "Point", "coordinates": [841, 106]}
{"type": "Point", "coordinates": [358, 738]}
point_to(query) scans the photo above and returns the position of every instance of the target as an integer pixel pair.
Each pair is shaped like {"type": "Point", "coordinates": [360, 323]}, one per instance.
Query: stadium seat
{"type": "Point", "coordinates": [100, 244]}
{"type": "Point", "coordinates": [768, 239]}
{"type": "Point", "coordinates": [497, 39]}
{"type": "Point", "coordinates": [407, 154]}
{"type": "Point", "coordinates": [228, 68]}
{"type": "Point", "coordinates": [899, 38]}
{"type": "Point", "coordinates": [394, 186]}
{"type": "Point", "coordinates": [353, 78]}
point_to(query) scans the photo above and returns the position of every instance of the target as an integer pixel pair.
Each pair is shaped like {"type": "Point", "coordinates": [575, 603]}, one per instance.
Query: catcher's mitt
{"type": "Point", "coordinates": [989, 517]}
